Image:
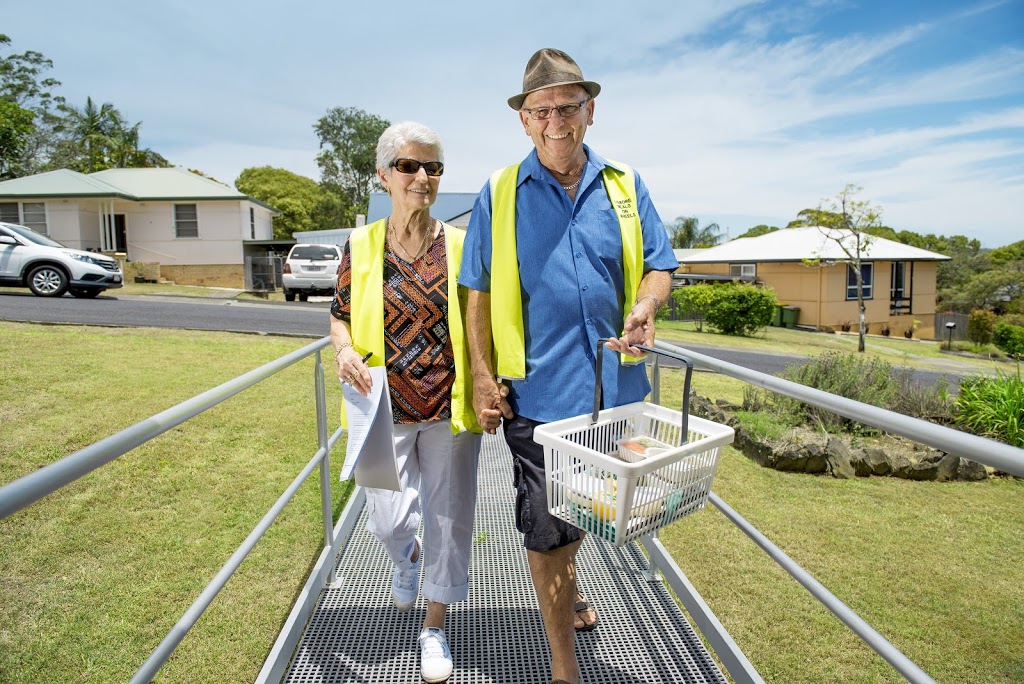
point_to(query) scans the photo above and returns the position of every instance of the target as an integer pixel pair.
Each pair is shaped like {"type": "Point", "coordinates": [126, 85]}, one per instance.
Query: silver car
{"type": "Point", "coordinates": [311, 270]}
{"type": "Point", "coordinates": [48, 268]}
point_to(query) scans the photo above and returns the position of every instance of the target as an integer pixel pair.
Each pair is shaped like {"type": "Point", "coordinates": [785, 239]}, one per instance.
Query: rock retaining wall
{"type": "Point", "coordinates": [834, 456]}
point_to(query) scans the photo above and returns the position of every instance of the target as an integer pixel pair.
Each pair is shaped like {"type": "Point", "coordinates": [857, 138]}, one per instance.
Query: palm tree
{"type": "Point", "coordinates": [92, 127]}
{"type": "Point", "coordinates": [686, 233]}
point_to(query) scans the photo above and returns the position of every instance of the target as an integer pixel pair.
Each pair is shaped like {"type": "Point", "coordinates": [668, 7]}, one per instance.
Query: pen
{"type": "Point", "coordinates": [368, 355]}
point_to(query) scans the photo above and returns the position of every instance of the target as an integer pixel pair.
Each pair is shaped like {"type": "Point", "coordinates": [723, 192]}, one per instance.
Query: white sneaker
{"type": "Point", "coordinates": [405, 584]}
{"type": "Point", "coordinates": [435, 657]}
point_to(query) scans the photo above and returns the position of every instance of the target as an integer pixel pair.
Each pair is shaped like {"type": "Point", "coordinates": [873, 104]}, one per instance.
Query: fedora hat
{"type": "Point", "coordinates": [550, 67]}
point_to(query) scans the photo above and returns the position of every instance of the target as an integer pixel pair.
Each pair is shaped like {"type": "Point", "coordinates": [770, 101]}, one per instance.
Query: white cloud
{"type": "Point", "coordinates": [732, 109]}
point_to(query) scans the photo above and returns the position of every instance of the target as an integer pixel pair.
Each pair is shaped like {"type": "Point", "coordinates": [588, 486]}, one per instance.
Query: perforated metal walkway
{"type": "Point", "coordinates": [497, 637]}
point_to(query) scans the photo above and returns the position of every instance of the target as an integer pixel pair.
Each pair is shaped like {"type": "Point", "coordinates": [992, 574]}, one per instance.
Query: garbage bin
{"type": "Point", "coordinates": [777, 316]}
{"type": "Point", "coordinates": [790, 314]}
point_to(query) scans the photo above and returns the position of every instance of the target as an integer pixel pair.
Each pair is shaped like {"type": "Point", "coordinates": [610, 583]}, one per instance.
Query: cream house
{"type": "Point", "coordinates": [809, 270]}
{"type": "Point", "coordinates": [199, 231]}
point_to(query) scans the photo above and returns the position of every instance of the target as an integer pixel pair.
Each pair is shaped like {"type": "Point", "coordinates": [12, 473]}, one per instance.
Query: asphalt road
{"type": "Point", "coordinates": [303, 319]}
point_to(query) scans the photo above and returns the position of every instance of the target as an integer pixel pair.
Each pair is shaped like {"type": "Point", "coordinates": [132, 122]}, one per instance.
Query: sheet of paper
{"type": "Point", "coordinates": [370, 452]}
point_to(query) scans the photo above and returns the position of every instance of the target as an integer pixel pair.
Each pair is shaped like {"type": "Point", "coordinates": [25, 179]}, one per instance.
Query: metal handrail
{"type": "Point", "coordinates": [34, 486]}
{"type": "Point", "coordinates": [989, 452]}
{"type": "Point", "coordinates": [40, 483]}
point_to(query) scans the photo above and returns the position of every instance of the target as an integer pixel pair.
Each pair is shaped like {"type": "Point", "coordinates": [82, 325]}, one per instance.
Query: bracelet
{"type": "Point", "coordinates": [342, 347]}
{"type": "Point", "coordinates": [657, 302]}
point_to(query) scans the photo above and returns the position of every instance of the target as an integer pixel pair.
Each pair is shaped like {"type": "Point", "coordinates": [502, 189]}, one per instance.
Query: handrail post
{"type": "Point", "coordinates": [325, 462]}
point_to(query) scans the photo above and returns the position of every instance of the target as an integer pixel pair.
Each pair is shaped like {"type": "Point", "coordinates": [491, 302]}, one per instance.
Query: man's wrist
{"type": "Point", "coordinates": [657, 302]}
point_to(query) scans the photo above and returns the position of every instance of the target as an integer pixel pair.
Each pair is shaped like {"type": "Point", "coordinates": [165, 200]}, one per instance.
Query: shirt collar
{"type": "Point", "coordinates": [531, 166]}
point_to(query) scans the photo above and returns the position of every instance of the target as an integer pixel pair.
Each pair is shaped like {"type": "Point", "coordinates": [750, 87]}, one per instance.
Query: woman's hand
{"type": "Point", "coordinates": [353, 370]}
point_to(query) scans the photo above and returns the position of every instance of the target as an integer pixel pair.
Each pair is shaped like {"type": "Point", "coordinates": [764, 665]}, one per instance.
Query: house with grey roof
{"type": "Point", "coordinates": [199, 231]}
{"type": "Point", "coordinates": [811, 272]}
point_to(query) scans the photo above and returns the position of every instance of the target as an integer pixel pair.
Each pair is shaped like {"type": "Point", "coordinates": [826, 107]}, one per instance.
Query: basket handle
{"type": "Point", "coordinates": [671, 355]}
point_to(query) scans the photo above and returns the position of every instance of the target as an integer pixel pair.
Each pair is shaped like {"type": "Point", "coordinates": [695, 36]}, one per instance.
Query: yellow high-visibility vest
{"type": "Point", "coordinates": [367, 317]}
{"type": "Point", "coordinates": [507, 331]}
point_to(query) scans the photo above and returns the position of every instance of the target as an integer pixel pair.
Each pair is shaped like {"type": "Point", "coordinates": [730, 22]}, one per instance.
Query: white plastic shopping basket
{"type": "Point", "coordinates": [591, 486]}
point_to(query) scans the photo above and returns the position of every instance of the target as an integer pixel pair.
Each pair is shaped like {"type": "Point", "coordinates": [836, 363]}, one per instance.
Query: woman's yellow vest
{"type": "Point", "coordinates": [507, 329]}
{"type": "Point", "coordinates": [367, 318]}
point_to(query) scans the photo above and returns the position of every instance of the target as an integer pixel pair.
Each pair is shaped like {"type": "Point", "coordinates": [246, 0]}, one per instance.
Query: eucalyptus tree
{"type": "Point", "coordinates": [848, 223]}
{"type": "Point", "coordinates": [30, 125]}
{"type": "Point", "coordinates": [348, 156]}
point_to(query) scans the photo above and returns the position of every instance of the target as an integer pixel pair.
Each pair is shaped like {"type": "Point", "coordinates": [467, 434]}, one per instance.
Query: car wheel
{"type": "Point", "coordinates": [84, 292]}
{"type": "Point", "coordinates": [289, 296]}
{"type": "Point", "coordinates": [303, 296]}
{"type": "Point", "coordinates": [47, 281]}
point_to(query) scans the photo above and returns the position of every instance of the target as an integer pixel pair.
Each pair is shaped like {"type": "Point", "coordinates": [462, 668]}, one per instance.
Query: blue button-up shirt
{"type": "Point", "coordinates": [571, 273]}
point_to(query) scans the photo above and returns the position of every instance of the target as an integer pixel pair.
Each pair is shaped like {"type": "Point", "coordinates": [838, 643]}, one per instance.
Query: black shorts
{"type": "Point", "coordinates": [541, 530]}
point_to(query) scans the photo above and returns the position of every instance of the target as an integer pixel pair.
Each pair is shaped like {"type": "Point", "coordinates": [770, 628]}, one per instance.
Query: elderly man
{"type": "Point", "coordinates": [562, 249]}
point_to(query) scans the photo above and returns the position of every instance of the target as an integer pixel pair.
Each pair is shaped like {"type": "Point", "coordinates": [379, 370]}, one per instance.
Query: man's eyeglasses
{"type": "Point", "coordinates": [411, 166]}
{"type": "Point", "coordinates": [565, 111]}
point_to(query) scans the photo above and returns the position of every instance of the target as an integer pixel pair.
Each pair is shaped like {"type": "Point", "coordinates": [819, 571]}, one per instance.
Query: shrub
{"type": "Point", "coordinates": [980, 326]}
{"type": "Point", "coordinates": [934, 403]}
{"type": "Point", "coordinates": [993, 407]}
{"type": "Point", "coordinates": [867, 380]}
{"type": "Point", "coordinates": [740, 309]}
{"type": "Point", "coordinates": [1012, 319]}
{"type": "Point", "coordinates": [695, 299]}
{"type": "Point", "coordinates": [1010, 338]}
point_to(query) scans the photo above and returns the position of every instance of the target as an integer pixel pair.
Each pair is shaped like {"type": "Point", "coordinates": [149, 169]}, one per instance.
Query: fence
{"type": "Point", "coordinates": [959, 330]}
{"type": "Point", "coordinates": [263, 273]}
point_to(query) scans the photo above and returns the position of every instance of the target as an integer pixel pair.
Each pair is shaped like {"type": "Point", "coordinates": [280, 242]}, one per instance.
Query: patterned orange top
{"type": "Point", "coordinates": [418, 352]}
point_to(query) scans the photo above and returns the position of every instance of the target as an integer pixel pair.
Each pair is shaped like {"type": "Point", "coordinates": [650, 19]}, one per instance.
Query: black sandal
{"type": "Point", "coordinates": [583, 606]}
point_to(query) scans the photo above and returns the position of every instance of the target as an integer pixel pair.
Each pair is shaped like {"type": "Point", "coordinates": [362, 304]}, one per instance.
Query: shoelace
{"type": "Point", "coordinates": [434, 647]}
{"type": "Point", "coordinates": [405, 578]}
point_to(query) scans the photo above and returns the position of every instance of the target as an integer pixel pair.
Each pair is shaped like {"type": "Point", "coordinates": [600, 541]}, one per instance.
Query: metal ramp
{"type": "Point", "coordinates": [497, 637]}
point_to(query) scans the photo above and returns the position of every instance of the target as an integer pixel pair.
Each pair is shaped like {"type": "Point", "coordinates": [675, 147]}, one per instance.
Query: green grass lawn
{"type": "Point", "coordinates": [94, 576]}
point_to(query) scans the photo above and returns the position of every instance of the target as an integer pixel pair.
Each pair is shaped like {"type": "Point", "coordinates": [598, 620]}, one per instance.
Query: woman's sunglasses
{"type": "Point", "coordinates": [411, 166]}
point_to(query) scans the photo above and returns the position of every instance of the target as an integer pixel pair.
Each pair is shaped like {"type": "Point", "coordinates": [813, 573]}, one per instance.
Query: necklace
{"type": "Point", "coordinates": [570, 188]}
{"type": "Point", "coordinates": [396, 244]}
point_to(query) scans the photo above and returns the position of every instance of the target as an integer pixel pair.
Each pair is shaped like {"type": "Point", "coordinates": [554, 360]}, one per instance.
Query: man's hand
{"type": "Point", "coordinates": [639, 328]}
{"type": "Point", "coordinates": [490, 403]}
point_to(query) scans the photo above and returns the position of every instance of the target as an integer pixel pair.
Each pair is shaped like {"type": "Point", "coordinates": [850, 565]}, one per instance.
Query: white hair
{"type": "Point", "coordinates": [396, 136]}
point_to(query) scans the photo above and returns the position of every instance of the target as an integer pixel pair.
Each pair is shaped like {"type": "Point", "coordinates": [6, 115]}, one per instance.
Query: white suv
{"type": "Point", "coordinates": [48, 268]}
{"type": "Point", "coordinates": [311, 270]}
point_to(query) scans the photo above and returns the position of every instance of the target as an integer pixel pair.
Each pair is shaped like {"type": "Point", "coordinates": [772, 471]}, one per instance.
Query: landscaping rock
{"type": "Point", "coordinates": [791, 460]}
{"type": "Point", "coordinates": [877, 460]}
{"type": "Point", "coordinates": [971, 471]}
{"type": "Point", "coordinates": [837, 455]}
{"type": "Point", "coordinates": [948, 467]}
{"type": "Point", "coordinates": [900, 465]}
{"type": "Point", "coordinates": [816, 463]}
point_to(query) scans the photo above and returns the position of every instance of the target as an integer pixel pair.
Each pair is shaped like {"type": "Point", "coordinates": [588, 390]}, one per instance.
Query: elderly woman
{"type": "Point", "coordinates": [398, 298]}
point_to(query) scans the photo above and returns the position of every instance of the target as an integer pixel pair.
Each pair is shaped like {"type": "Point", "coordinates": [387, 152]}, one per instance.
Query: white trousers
{"type": "Point", "coordinates": [437, 471]}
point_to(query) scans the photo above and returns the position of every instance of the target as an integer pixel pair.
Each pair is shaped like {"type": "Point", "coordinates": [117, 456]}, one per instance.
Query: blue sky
{"type": "Point", "coordinates": [734, 111]}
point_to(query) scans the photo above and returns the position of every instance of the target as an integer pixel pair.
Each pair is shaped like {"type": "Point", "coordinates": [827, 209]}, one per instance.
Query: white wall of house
{"type": "Point", "coordinates": [62, 223]}
{"type": "Point", "coordinates": [223, 225]}
{"type": "Point", "coordinates": [151, 236]}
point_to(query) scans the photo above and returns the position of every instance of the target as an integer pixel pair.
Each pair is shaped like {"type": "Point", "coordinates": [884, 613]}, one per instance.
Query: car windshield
{"type": "Point", "coordinates": [32, 236]}
{"type": "Point", "coordinates": [315, 252]}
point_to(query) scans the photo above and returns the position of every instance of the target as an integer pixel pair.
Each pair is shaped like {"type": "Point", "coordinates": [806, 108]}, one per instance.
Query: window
{"type": "Point", "coordinates": [186, 221]}
{"type": "Point", "coordinates": [9, 212]}
{"type": "Point", "coordinates": [29, 214]}
{"type": "Point", "coordinates": [33, 215]}
{"type": "Point", "coordinates": [743, 270]}
{"type": "Point", "coordinates": [867, 272]}
{"type": "Point", "coordinates": [252, 223]}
